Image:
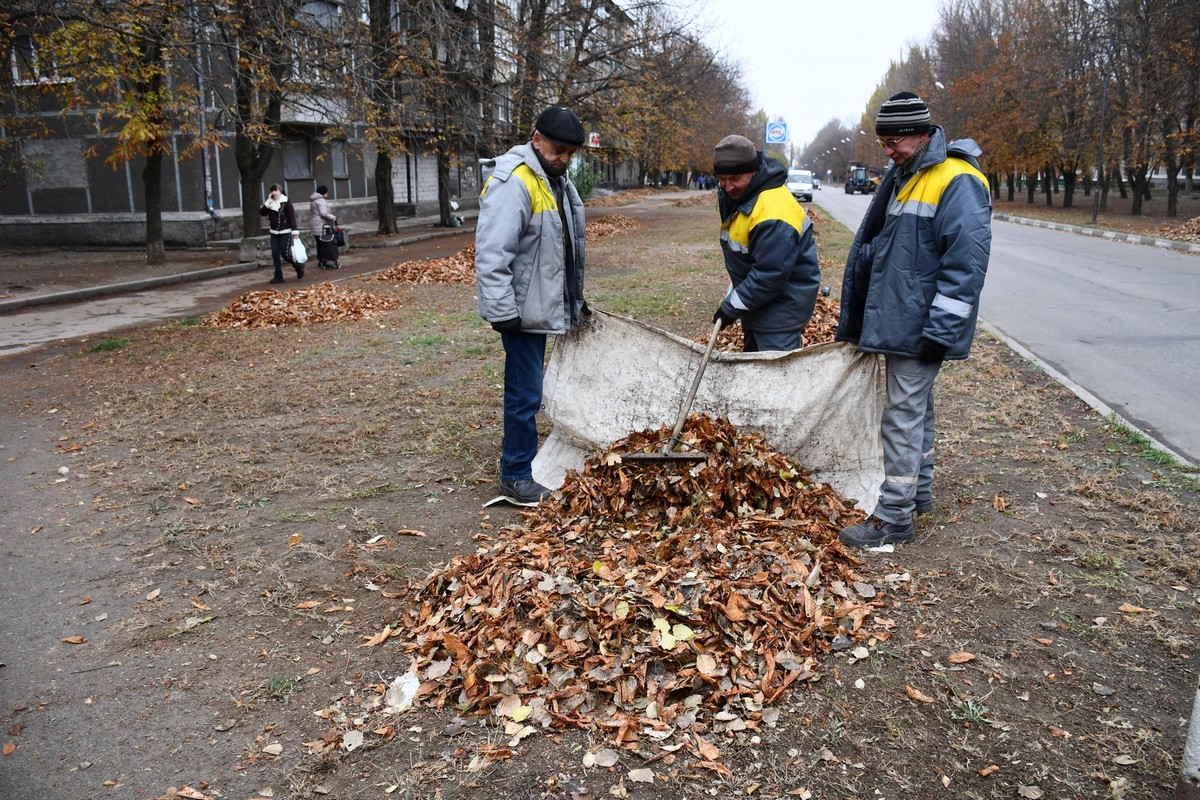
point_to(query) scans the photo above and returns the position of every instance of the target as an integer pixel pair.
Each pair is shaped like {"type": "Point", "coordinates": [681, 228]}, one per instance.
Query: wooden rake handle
{"type": "Point", "coordinates": [691, 395]}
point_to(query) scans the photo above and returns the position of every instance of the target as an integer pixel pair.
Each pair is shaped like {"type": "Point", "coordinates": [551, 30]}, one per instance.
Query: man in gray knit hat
{"type": "Point", "coordinates": [911, 292]}
{"type": "Point", "coordinates": [770, 252]}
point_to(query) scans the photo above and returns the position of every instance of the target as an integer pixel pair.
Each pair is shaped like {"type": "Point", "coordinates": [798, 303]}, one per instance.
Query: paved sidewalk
{"type": "Point", "coordinates": [43, 276]}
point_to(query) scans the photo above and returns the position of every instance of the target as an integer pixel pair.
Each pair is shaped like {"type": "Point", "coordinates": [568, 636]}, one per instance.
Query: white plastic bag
{"type": "Point", "coordinates": [299, 254]}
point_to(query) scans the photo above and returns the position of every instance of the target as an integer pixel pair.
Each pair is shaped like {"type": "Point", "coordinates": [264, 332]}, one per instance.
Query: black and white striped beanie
{"type": "Point", "coordinates": [902, 114]}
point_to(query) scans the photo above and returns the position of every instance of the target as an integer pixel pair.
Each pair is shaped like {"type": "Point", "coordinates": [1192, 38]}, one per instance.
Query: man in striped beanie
{"type": "Point", "coordinates": [911, 293]}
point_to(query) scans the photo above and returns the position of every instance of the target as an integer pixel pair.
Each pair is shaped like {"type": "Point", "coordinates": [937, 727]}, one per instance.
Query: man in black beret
{"type": "Point", "coordinates": [529, 258]}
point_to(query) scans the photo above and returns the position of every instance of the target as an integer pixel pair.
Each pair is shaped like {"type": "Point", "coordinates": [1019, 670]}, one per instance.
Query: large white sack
{"type": "Point", "coordinates": [611, 376]}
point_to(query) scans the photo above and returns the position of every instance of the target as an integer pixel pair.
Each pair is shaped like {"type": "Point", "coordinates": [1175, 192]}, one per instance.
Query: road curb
{"type": "Point", "coordinates": [1112, 236]}
{"type": "Point", "coordinates": [1097, 405]}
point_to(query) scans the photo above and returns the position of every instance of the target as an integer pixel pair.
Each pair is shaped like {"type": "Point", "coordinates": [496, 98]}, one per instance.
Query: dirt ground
{"type": "Point", "coordinates": [206, 532]}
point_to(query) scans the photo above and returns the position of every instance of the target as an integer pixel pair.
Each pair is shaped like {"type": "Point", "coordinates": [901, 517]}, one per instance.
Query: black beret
{"type": "Point", "coordinates": [560, 125]}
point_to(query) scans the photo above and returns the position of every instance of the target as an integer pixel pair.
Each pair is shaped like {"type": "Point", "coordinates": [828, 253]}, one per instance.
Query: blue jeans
{"type": "Point", "coordinates": [524, 360]}
{"type": "Point", "coordinates": [907, 430]}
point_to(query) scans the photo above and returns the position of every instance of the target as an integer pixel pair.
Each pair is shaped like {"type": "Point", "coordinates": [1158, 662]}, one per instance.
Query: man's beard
{"type": "Point", "coordinates": [547, 167]}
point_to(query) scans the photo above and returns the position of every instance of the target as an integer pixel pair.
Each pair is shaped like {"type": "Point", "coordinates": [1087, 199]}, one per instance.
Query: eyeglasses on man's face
{"type": "Point", "coordinates": [890, 144]}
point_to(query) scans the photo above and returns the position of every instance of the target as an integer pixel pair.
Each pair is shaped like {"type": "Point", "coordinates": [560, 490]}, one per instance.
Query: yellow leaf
{"type": "Point", "coordinates": [682, 632]}
{"type": "Point", "coordinates": [622, 610]}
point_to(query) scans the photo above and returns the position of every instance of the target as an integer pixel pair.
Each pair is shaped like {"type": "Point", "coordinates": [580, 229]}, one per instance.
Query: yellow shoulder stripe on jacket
{"type": "Point", "coordinates": [541, 199]}
{"type": "Point", "coordinates": [776, 203]}
{"type": "Point", "coordinates": [928, 184]}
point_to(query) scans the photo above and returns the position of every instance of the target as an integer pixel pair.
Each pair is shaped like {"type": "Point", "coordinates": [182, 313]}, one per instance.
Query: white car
{"type": "Point", "coordinates": [800, 184]}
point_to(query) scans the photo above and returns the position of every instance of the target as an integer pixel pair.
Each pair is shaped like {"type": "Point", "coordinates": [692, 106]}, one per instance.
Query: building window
{"type": "Point", "coordinates": [337, 157]}
{"type": "Point", "coordinates": [297, 160]}
{"type": "Point", "coordinates": [26, 67]}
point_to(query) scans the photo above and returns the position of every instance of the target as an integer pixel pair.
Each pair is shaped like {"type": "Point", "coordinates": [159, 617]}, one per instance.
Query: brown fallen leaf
{"type": "Point", "coordinates": [407, 532]}
{"type": "Point", "coordinates": [999, 503]}
{"type": "Point", "coordinates": [295, 539]}
{"type": "Point", "coordinates": [707, 750]}
{"type": "Point", "coordinates": [917, 694]}
{"type": "Point", "coordinates": [307, 604]}
{"type": "Point", "coordinates": [1059, 732]}
{"type": "Point", "coordinates": [961, 657]}
{"type": "Point", "coordinates": [1131, 609]}
{"type": "Point", "coordinates": [988, 770]}
{"type": "Point", "coordinates": [9, 748]}
{"type": "Point", "coordinates": [74, 639]}
{"type": "Point", "coordinates": [191, 501]}
{"type": "Point", "coordinates": [379, 638]}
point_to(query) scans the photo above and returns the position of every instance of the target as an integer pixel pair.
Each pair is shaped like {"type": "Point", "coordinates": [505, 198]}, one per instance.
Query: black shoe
{"type": "Point", "coordinates": [523, 493]}
{"type": "Point", "coordinates": [924, 506]}
{"type": "Point", "coordinates": [276, 279]}
{"type": "Point", "coordinates": [299, 270]}
{"type": "Point", "coordinates": [874, 532]}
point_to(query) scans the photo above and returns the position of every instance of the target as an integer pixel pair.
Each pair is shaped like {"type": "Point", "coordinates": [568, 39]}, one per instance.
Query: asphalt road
{"type": "Point", "coordinates": [1119, 323]}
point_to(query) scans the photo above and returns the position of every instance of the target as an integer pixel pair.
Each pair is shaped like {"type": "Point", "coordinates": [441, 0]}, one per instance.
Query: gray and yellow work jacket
{"type": "Point", "coordinates": [520, 246]}
{"type": "Point", "coordinates": [770, 253]}
{"type": "Point", "coordinates": [922, 273]}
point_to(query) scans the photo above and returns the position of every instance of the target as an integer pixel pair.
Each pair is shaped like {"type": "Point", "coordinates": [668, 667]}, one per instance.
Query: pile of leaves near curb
{"type": "Point", "coordinates": [458, 268]}
{"type": "Point", "coordinates": [647, 598]}
{"type": "Point", "coordinates": [1187, 232]}
{"type": "Point", "coordinates": [611, 225]}
{"type": "Point", "coordinates": [706, 199]}
{"type": "Point", "coordinates": [630, 195]}
{"type": "Point", "coordinates": [322, 302]}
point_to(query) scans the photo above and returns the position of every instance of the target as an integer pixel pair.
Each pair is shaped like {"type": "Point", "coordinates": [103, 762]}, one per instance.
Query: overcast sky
{"type": "Point", "coordinates": [810, 62]}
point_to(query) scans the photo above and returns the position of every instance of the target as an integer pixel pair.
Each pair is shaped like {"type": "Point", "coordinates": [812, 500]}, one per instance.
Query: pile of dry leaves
{"type": "Point", "coordinates": [646, 598]}
{"type": "Point", "coordinates": [458, 268]}
{"type": "Point", "coordinates": [610, 226]}
{"type": "Point", "coordinates": [821, 328]}
{"type": "Point", "coordinates": [1187, 232]}
{"type": "Point", "coordinates": [629, 196]}
{"type": "Point", "coordinates": [321, 302]}
{"type": "Point", "coordinates": [705, 199]}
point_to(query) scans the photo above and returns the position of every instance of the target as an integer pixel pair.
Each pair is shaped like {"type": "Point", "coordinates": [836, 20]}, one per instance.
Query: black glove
{"type": "Point", "coordinates": [508, 326]}
{"type": "Point", "coordinates": [931, 352]}
{"type": "Point", "coordinates": [726, 316]}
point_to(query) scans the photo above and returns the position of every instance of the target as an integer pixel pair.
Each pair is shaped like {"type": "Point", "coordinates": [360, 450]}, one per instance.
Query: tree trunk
{"type": "Point", "coordinates": [385, 193]}
{"type": "Point", "coordinates": [1030, 188]}
{"type": "Point", "coordinates": [1138, 177]}
{"type": "Point", "coordinates": [1048, 185]}
{"type": "Point", "coordinates": [1069, 186]}
{"type": "Point", "coordinates": [443, 183]}
{"type": "Point", "coordinates": [156, 251]}
{"type": "Point", "coordinates": [1011, 179]}
{"type": "Point", "coordinates": [252, 162]}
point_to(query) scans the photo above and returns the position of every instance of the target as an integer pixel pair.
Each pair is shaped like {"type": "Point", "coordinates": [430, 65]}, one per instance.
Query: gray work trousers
{"type": "Point", "coordinates": [907, 431]}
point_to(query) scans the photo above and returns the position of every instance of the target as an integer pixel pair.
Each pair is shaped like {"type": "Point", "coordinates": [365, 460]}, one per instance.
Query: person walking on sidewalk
{"type": "Point", "coordinates": [770, 252]}
{"type": "Point", "coordinates": [529, 263]}
{"type": "Point", "coordinates": [322, 224]}
{"type": "Point", "coordinates": [911, 292]}
{"type": "Point", "coordinates": [281, 224]}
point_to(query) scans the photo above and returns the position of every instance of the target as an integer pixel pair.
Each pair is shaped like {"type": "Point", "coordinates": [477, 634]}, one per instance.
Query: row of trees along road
{"type": "Point", "coordinates": [394, 76]}
{"type": "Point", "coordinates": [1058, 89]}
